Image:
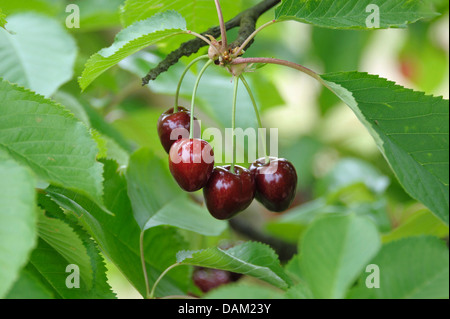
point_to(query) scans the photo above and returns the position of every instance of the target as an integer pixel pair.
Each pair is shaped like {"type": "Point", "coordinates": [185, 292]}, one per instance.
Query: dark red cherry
{"type": "Point", "coordinates": [208, 278]}
{"type": "Point", "coordinates": [191, 162]}
{"type": "Point", "coordinates": [226, 193]}
{"type": "Point", "coordinates": [169, 121]}
{"type": "Point", "coordinates": [276, 183]}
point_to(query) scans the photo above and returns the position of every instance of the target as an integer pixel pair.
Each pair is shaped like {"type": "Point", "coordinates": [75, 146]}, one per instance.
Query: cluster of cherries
{"type": "Point", "coordinates": [227, 190]}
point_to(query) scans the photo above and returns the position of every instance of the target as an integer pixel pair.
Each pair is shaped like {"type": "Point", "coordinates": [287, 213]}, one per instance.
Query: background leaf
{"type": "Point", "coordinates": [38, 53]}
{"type": "Point", "coordinates": [150, 185]}
{"type": "Point", "coordinates": [422, 222]}
{"type": "Point", "coordinates": [17, 219]}
{"type": "Point", "coordinates": [352, 14]}
{"type": "Point", "coordinates": [200, 15]}
{"type": "Point", "coordinates": [334, 250]}
{"type": "Point", "coordinates": [183, 213]}
{"type": "Point", "coordinates": [411, 130]}
{"type": "Point", "coordinates": [412, 268]}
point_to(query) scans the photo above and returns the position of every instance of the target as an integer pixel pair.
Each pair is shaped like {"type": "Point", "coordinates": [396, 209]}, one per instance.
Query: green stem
{"type": "Point", "coordinates": [233, 124]}
{"type": "Point", "coordinates": [194, 93]}
{"type": "Point", "coordinates": [177, 94]}
{"type": "Point", "coordinates": [144, 268]}
{"type": "Point", "coordinates": [152, 293]}
{"type": "Point", "coordinates": [247, 41]}
{"type": "Point", "coordinates": [258, 117]}
{"type": "Point", "coordinates": [198, 35]}
{"type": "Point", "coordinates": [279, 62]}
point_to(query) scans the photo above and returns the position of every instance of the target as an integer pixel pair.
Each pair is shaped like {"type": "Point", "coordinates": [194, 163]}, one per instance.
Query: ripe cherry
{"type": "Point", "coordinates": [276, 183]}
{"type": "Point", "coordinates": [226, 194]}
{"type": "Point", "coordinates": [169, 121]}
{"type": "Point", "coordinates": [191, 162]}
{"type": "Point", "coordinates": [208, 278]}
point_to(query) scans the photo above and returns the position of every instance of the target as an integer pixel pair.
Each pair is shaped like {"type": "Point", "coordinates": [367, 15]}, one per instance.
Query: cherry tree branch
{"type": "Point", "coordinates": [246, 21]}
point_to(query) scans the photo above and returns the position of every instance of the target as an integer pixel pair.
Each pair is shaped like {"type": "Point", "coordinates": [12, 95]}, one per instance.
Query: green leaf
{"type": "Point", "coordinates": [352, 14]}
{"type": "Point", "coordinates": [99, 14]}
{"type": "Point", "coordinates": [118, 235]}
{"type": "Point", "coordinates": [131, 40]}
{"type": "Point", "coordinates": [185, 214]}
{"type": "Point", "coordinates": [51, 265]}
{"type": "Point", "coordinates": [150, 185]}
{"type": "Point", "coordinates": [251, 258]}
{"type": "Point", "coordinates": [422, 222]}
{"type": "Point", "coordinates": [38, 53]}
{"type": "Point", "coordinates": [28, 286]}
{"type": "Point", "coordinates": [334, 251]}
{"type": "Point", "coordinates": [44, 136]}
{"type": "Point", "coordinates": [17, 219]}
{"type": "Point", "coordinates": [200, 15]}
{"type": "Point", "coordinates": [66, 243]}
{"type": "Point", "coordinates": [410, 128]}
{"type": "Point", "coordinates": [49, 7]}
{"type": "Point", "coordinates": [3, 21]}
{"type": "Point", "coordinates": [243, 291]}
{"type": "Point", "coordinates": [412, 268]}
{"type": "Point", "coordinates": [299, 291]}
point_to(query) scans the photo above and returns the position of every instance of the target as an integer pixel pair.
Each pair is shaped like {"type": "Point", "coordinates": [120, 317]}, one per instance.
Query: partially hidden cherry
{"type": "Point", "coordinates": [169, 121]}
{"type": "Point", "coordinates": [207, 278]}
{"type": "Point", "coordinates": [276, 183]}
{"type": "Point", "coordinates": [226, 193]}
{"type": "Point", "coordinates": [191, 162]}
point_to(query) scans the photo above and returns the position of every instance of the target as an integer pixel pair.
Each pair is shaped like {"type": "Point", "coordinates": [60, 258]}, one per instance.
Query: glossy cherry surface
{"type": "Point", "coordinates": [276, 183]}
{"type": "Point", "coordinates": [170, 121]}
{"type": "Point", "coordinates": [226, 193]}
{"type": "Point", "coordinates": [191, 162]}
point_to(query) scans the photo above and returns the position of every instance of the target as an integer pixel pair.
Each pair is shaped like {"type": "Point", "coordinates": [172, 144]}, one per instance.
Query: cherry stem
{"type": "Point", "coordinates": [251, 36]}
{"type": "Point", "coordinates": [198, 35]}
{"type": "Point", "coordinates": [177, 94]}
{"type": "Point", "coordinates": [223, 30]}
{"type": "Point", "coordinates": [144, 268]}
{"type": "Point", "coordinates": [258, 117]}
{"type": "Point", "coordinates": [152, 293]}
{"type": "Point", "coordinates": [279, 62]}
{"type": "Point", "coordinates": [194, 93]}
{"type": "Point", "coordinates": [233, 124]}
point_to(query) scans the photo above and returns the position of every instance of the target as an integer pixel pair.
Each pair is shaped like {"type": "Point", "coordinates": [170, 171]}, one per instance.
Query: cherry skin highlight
{"type": "Point", "coordinates": [180, 121]}
{"type": "Point", "coordinates": [227, 194]}
{"type": "Point", "coordinates": [276, 183]}
{"type": "Point", "coordinates": [191, 162]}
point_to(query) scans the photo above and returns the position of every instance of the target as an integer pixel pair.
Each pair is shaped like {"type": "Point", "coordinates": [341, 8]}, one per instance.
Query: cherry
{"type": "Point", "coordinates": [226, 194]}
{"type": "Point", "coordinates": [169, 121]}
{"type": "Point", "coordinates": [191, 162]}
{"type": "Point", "coordinates": [276, 183]}
{"type": "Point", "coordinates": [208, 278]}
